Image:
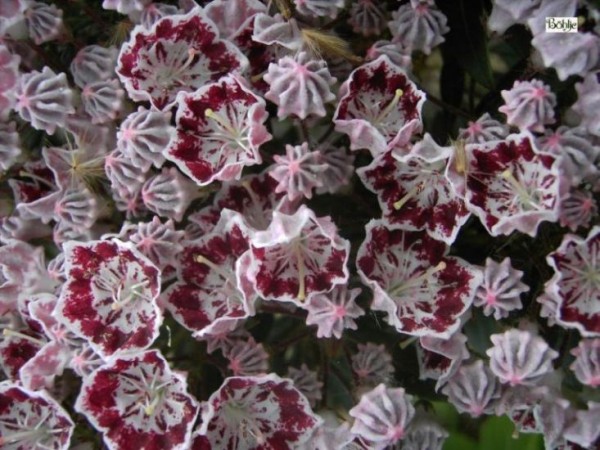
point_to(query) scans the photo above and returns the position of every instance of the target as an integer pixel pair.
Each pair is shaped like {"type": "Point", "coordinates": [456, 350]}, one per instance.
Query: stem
{"type": "Point", "coordinates": [448, 107]}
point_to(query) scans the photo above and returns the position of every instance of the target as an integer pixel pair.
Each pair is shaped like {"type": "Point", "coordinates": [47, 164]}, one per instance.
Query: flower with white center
{"type": "Point", "coordinates": [110, 296]}
{"type": "Point", "coordinates": [138, 399]}
{"type": "Point", "coordinates": [219, 131]}
{"type": "Point", "coordinates": [576, 282]}
{"type": "Point", "coordinates": [423, 291]}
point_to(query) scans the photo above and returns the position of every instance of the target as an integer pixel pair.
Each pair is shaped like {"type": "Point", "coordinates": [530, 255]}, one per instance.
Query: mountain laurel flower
{"type": "Point", "coordinates": [520, 357]}
{"type": "Point", "coordinates": [510, 185]}
{"type": "Point", "coordinates": [44, 99]}
{"type": "Point", "coordinates": [220, 128]}
{"type": "Point", "coordinates": [169, 193]}
{"type": "Point", "coordinates": [212, 291]}
{"type": "Point", "coordinates": [307, 382]}
{"type": "Point", "coordinates": [247, 358]}
{"type": "Point", "coordinates": [136, 398]}
{"type": "Point", "coordinates": [233, 16]}
{"type": "Point", "coordinates": [32, 420]}
{"type": "Point", "coordinates": [125, 6]}
{"type": "Point", "coordinates": [93, 63]}
{"type": "Point", "coordinates": [367, 17]}
{"type": "Point", "coordinates": [180, 53]}
{"type": "Point", "coordinates": [319, 8]}
{"type": "Point", "coordinates": [577, 209]}
{"type": "Point", "coordinates": [577, 149]}
{"type": "Point", "coordinates": [334, 311]}
{"type": "Point", "coordinates": [529, 105]}
{"type": "Point", "coordinates": [439, 359]}
{"type": "Point", "coordinates": [587, 105]}
{"type": "Point", "coordinates": [414, 192]}
{"type": "Point", "coordinates": [379, 107]}
{"type": "Point", "coordinates": [298, 256]}
{"type": "Point", "coordinates": [506, 13]}
{"type": "Point", "coordinates": [587, 362]}
{"type": "Point", "coordinates": [575, 285]}
{"type": "Point", "coordinates": [10, 149]}
{"type": "Point", "coordinates": [299, 86]}
{"type": "Point", "coordinates": [568, 53]}
{"type": "Point", "coordinates": [103, 100]}
{"type": "Point", "coordinates": [298, 172]}
{"type": "Point", "coordinates": [424, 434]}
{"type": "Point", "coordinates": [419, 25]}
{"type": "Point", "coordinates": [44, 22]}
{"type": "Point", "coordinates": [395, 51]}
{"type": "Point", "coordinates": [501, 290]}
{"type": "Point", "coordinates": [473, 389]}
{"type": "Point", "coordinates": [9, 67]}
{"type": "Point", "coordinates": [260, 413]}
{"type": "Point", "coordinates": [382, 416]}
{"type": "Point", "coordinates": [372, 364]}
{"type": "Point", "coordinates": [144, 135]}
{"type": "Point", "coordinates": [483, 130]}
{"type": "Point", "coordinates": [110, 296]}
{"type": "Point", "coordinates": [423, 291]}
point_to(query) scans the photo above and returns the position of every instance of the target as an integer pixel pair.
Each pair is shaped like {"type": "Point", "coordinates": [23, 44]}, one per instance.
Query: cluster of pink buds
{"type": "Point", "coordinates": [298, 224]}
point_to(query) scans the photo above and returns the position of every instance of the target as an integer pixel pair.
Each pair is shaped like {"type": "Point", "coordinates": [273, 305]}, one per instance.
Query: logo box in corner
{"type": "Point", "coordinates": [561, 24]}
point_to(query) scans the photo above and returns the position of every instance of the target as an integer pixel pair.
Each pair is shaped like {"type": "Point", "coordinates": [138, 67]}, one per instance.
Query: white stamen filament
{"type": "Point", "coordinates": [416, 190]}
{"type": "Point", "coordinates": [133, 293]}
{"type": "Point", "coordinates": [524, 196]}
{"type": "Point", "coordinates": [417, 280]}
{"type": "Point", "coordinates": [37, 178]}
{"type": "Point", "coordinates": [301, 269]}
{"type": "Point", "coordinates": [218, 270]}
{"type": "Point", "coordinates": [391, 105]}
{"type": "Point", "coordinates": [12, 333]}
{"type": "Point", "coordinates": [224, 123]}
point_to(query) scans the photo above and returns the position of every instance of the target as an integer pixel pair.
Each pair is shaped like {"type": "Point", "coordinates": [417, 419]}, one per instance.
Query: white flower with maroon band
{"type": "Point", "coordinates": [136, 400]}
{"type": "Point", "coordinates": [211, 289]}
{"type": "Point", "coordinates": [219, 130]}
{"type": "Point", "coordinates": [510, 185]}
{"type": "Point", "coordinates": [380, 108]}
{"type": "Point", "coordinates": [575, 285]}
{"type": "Point", "coordinates": [179, 53]}
{"type": "Point", "coordinates": [414, 192]}
{"type": "Point", "coordinates": [297, 256]}
{"type": "Point", "coordinates": [258, 413]}
{"type": "Point", "coordinates": [439, 359]}
{"type": "Point", "coordinates": [32, 420]}
{"type": "Point", "coordinates": [110, 296]}
{"type": "Point", "coordinates": [423, 291]}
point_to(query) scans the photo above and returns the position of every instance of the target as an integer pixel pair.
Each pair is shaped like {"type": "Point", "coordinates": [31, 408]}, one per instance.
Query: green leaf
{"type": "Point", "coordinates": [497, 434]}
{"type": "Point", "coordinates": [467, 38]}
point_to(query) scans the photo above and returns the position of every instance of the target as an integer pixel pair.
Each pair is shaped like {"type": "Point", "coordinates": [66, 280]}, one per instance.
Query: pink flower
{"type": "Point", "coordinates": [380, 108]}
{"type": "Point", "coordinates": [110, 296]}
{"type": "Point", "coordinates": [44, 99]}
{"type": "Point", "coordinates": [382, 416]}
{"type": "Point", "coordinates": [299, 86]}
{"type": "Point", "coordinates": [423, 291]}
{"type": "Point", "coordinates": [419, 25]}
{"type": "Point", "coordinates": [372, 364]}
{"type": "Point", "coordinates": [575, 285]}
{"type": "Point", "coordinates": [298, 172]}
{"type": "Point", "coordinates": [529, 105]}
{"type": "Point", "coordinates": [520, 357]}
{"type": "Point", "coordinates": [179, 53]}
{"type": "Point", "coordinates": [367, 17]}
{"type": "Point", "coordinates": [93, 63]}
{"type": "Point", "coordinates": [169, 193]}
{"type": "Point", "coordinates": [259, 413]}
{"type": "Point", "coordinates": [319, 8]}
{"type": "Point", "coordinates": [439, 359]}
{"type": "Point", "coordinates": [501, 290]}
{"type": "Point", "coordinates": [473, 389]}
{"type": "Point", "coordinates": [482, 130]}
{"type": "Point", "coordinates": [219, 131]}
{"type": "Point", "coordinates": [232, 16]}
{"type": "Point", "coordinates": [9, 69]}
{"type": "Point", "coordinates": [334, 311]}
{"type": "Point", "coordinates": [588, 101]}
{"type": "Point", "coordinates": [587, 362]}
{"type": "Point", "coordinates": [138, 399]}
{"type": "Point", "coordinates": [10, 148]}
{"type": "Point", "coordinates": [247, 358]}
{"type": "Point", "coordinates": [32, 420]}
{"type": "Point", "coordinates": [44, 22]}
{"type": "Point", "coordinates": [307, 382]}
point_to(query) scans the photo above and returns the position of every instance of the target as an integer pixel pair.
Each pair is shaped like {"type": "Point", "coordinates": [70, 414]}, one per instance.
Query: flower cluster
{"type": "Point", "coordinates": [297, 224]}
